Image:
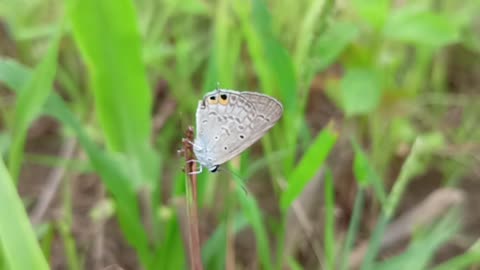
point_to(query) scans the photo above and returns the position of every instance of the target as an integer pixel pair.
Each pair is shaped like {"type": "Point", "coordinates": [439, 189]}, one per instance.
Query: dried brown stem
{"type": "Point", "coordinates": [192, 203]}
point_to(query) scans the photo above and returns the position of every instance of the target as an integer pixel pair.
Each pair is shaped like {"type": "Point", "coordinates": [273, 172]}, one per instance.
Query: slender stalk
{"type": "Point", "coordinates": [192, 204]}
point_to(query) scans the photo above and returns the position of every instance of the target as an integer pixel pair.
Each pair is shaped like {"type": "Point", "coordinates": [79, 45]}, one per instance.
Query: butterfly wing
{"type": "Point", "coordinates": [228, 122]}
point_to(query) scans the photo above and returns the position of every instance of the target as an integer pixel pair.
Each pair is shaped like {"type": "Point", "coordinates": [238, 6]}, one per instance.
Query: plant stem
{"type": "Point", "coordinates": [192, 204]}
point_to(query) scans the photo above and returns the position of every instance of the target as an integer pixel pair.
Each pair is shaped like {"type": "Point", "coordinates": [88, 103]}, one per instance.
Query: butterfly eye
{"type": "Point", "coordinates": [223, 99]}
{"type": "Point", "coordinates": [213, 99]}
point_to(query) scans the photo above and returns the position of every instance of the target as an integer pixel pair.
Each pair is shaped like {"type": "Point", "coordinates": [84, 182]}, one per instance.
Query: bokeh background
{"type": "Point", "coordinates": [374, 165]}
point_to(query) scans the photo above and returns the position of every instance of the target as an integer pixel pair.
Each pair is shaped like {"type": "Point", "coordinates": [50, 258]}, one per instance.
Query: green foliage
{"type": "Point", "coordinates": [29, 103]}
{"type": "Point", "coordinates": [361, 91]}
{"type": "Point", "coordinates": [329, 221]}
{"type": "Point", "coordinates": [18, 241]}
{"type": "Point", "coordinates": [308, 166]}
{"type": "Point", "coordinates": [422, 27]}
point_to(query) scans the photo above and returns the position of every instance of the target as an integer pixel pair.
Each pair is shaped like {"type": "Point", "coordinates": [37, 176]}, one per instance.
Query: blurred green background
{"type": "Point", "coordinates": [374, 165]}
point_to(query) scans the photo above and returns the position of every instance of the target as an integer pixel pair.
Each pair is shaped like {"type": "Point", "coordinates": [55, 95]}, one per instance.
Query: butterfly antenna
{"type": "Point", "coordinates": [237, 178]}
{"type": "Point", "coordinates": [218, 85]}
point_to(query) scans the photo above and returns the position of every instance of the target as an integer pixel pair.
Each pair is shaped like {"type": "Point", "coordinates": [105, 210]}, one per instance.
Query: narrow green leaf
{"type": "Point", "coordinates": [329, 237]}
{"type": "Point", "coordinates": [422, 147]}
{"type": "Point", "coordinates": [414, 164]}
{"type": "Point", "coordinates": [312, 23]}
{"type": "Point", "coordinates": [423, 247]}
{"type": "Point", "coordinates": [123, 99]}
{"type": "Point", "coordinates": [171, 254]}
{"type": "Point", "coordinates": [30, 102]}
{"type": "Point", "coordinates": [17, 238]}
{"type": "Point", "coordinates": [463, 261]}
{"type": "Point", "coordinates": [365, 174]}
{"type": "Point", "coordinates": [293, 264]}
{"type": "Point", "coordinates": [311, 162]}
{"type": "Point", "coordinates": [254, 217]}
{"type": "Point", "coordinates": [375, 242]}
{"type": "Point", "coordinates": [214, 250]}
{"type": "Point", "coordinates": [353, 228]}
{"type": "Point", "coordinates": [271, 60]}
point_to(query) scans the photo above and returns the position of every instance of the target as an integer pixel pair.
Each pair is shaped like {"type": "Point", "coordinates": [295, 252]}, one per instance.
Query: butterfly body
{"type": "Point", "coordinates": [228, 122]}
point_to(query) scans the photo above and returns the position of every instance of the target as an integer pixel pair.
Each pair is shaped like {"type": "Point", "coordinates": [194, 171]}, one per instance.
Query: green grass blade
{"type": "Point", "coordinates": [274, 67]}
{"type": "Point", "coordinates": [309, 165]}
{"type": "Point", "coordinates": [30, 101]}
{"type": "Point", "coordinates": [254, 217]}
{"type": "Point", "coordinates": [110, 169]}
{"type": "Point", "coordinates": [18, 239]}
{"type": "Point", "coordinates": [314, 19]}
{"type": "Point", "coordinates": [69, 244]}
{"type": "Point", "coordinates": [470, 258]}
{"type": "Point", "coordinates": [123, 99]}
{"type": "Point", "coordinates": [214, 250]}
{"type": "Point", "coordinates": [171, 253]}
{"type": "Point", "coordinates": [353, 228]}
{"type": "Point", "coordinates": [375, 241]}
{"type": "Point", "coordinates": [423, 247]}
{"type": "Point", "coordinates": [365, 174]}
{"type": "Point", "coordinates": [413, 165]}
{"type": "Point", "coordinates": [329, 238]}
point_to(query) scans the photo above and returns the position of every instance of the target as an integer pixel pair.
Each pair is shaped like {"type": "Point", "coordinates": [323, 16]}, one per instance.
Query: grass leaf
{"type": "Point", "coordinates": [18, 239]}
{"type": "Point", "coordinates": [123, 98]}
{"type": "Point", "coordinates": [311, 162]}
{"type": "Point", "coordinates": [30, 101]}
{"type": "Point", "coordinates": [329, 237]}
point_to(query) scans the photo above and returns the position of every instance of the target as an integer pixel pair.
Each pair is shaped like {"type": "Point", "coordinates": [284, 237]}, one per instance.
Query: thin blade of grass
{"type": "Point", "coordinates": [18, 239]}
{"type": "Point", "coordinates": [411, 167]}
{"type": "Point", "coordinates": [274, 68]}
{"type": "Point", "coordinates": [214, 250]}
{"type": "Point", "coordinates": [254, 217]}
{"type": "Point", "coordinates": [171, 254]}
{"type": "Point", "coordinates": [30, 101]}
{"type": "Point", "coordinates": [470, 258]}
{"type": "Point", "coordinates": [294, 265]}
{"type": "Point", "coordinates": [423, 247]}
{"type": "Point", "coordinates": [353, 228]}
{"type": "Point", "coordinates": [329, 238]}
{"type": "Point", "coordinates": [365, 173]}
{"type": "Point", "coordinates": [123, 99]}
{"type": "Point", "coordinates": [375, 242]}
{"type": "Point", "coordinates": [311, 162]}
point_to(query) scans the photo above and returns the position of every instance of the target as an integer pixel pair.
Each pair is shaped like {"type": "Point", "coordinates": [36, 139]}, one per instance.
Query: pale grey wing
{"type": "Point", "coordinates": [248, 116]}
{"type": "Point", "coordinates": [266, 106]}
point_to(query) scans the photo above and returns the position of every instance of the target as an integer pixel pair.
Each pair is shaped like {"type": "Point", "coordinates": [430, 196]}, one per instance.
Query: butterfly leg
{"type": "Point", "coordinates": [200, 168]}
{"type": "Point", "coordinates": [188, 141]}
